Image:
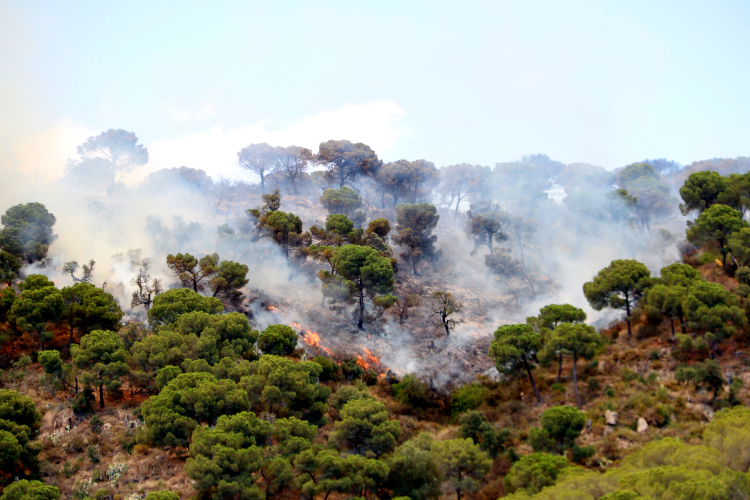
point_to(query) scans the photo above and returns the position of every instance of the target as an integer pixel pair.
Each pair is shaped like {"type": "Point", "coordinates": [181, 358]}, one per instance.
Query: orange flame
{"type": "Point", "coordinates": [312, 339]}
{"type": "Point", "coordinates": [369, 361]}
{"type": "Point", "coordinates": [272, 308]}
{"type": "Point", "coordinates": [296, 326]}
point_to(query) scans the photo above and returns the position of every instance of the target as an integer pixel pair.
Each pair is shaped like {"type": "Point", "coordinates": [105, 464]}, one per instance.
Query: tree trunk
{"type": "Point", "coordinates": [627, 311]}
{"type": "Point", "coordinates": [671, 323]}
{"type": "Point", "coordinates": [361, 304]}
{"type": "Point", "coordinates": [559, 367]}
{"type": "Point", "coordinates": [445, 324]}
{"type": "Point", "coordinates": [531, 379]}
{"type": "Point", "coordinates": [458, 201]}
{"type": "Point", "coordinates": [713, 400]}
{"type": "Point", "coordinates": [489, 244]}
{"type": "Point", "coordinates": [262, 184]}
{"type": "Point", "coordinates": [101, 391]}
{"type": "Point", "coordinates": [575, 381]}
{"type": "Point", "coordinates": [70, 343]}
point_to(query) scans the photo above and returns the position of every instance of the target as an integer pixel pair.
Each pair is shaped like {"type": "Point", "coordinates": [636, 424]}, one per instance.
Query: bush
{"type": "Point", "coordinates": [580, 454]}
{"type": "Point", "coordinates": [411, 391]}
{"type": "Point", "coordinates": [533, 472]}
{"type": "Point", "coordinates": [93, 452]}
{"type": "Point", "coordinates": [329, 368]}
{"type": "Point", "coordinates": [347, 393]}
{"type": "Point", "coordinates": [162, 495]}
{"type": "Point", "coordinates": [475, 425]}
{"type": "Point", "coordinates": [30, 490]}
{"type": "Point", "coordinates": [561, 425]}
{"type": "Point", "coordinates": [279, 340]}
{"type": "Point", "coordinates": [467, 397]}
{"type": "Point", "coordinates": [96, 424]}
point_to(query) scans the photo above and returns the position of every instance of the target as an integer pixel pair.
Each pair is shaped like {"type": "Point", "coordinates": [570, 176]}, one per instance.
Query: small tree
{"type": "Point", "coordinates": [340, 201]}
{"type": "Point", "coordinates": [368, 271]}
{"type": "Point", "coordinates": [561, 425]}
{"type": "Point", "coordinates": [414, 225]}
{"type": "Point", "coordinates": [405, 304]}
{"type": "Point", "coordinates": [28, 231]}
{"type": "Point", "coordinates": [230, 277]}
{"type": "Point", "coordinates": [514, 350]}
{"type": "Point", "coordinates": [40, 302]}
{"type": "Point", "coordinates": [364, 427]}
{"type": "Point", "coordinates": [701, 190]}
{"type": "Point", "coordinates": [488, 224]}
{"type": "Point", "coordinates": [715, 225]}
{"type": "Point", "coordinates": [619, 286]}
{"type": "Point", "coordinates": [463, 464]}
{"type": "Point", "coordinates": [534, 472]}
{"type": "Point", "coordinates": [169, 305]}
{"type": "Point", "coordinates": [445, 306]}
{"type": "Point", "coordinates": [103, 357]}
{"type": "Point", "coordinates": [146, 288]}
{"type": "Point", "coordinates": [280, 340]}
{"type": "Point", "coordinates": [261, 159]}
{"type": "Point", "coordinates": [191, 271]}
{"type": "Point", "coordinates": [20, 422]}
{"type": "Point", "coordinates": [347, 161]}
{"type": "Point", "coordinates": [292, 163]}
{"type": "Point", "coordinates": [71, 267]}
{"type": "Point", "coordinates": [550, 317]}
{"type": "Point", "coordinates": [706, 374]}
{"type": "Point", "coordinates": [89, 308]}
{"type": "Point", "coordinates": [575, 340]}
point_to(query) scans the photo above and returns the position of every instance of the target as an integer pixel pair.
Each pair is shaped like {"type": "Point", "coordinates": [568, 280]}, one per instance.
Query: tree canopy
{"type": "Point", "coordinates": [345, 161]}
{"type": "Point", "coordinates": [515, 349]}
{"type": "Point", "coordinates": [370, 273]}
{"type": "Point", "coordinates": [619, 286]}
{"type": "Point", "coordinates": [27, 233]}
{"type": "Point", "coordinates": [169, 305]}
{"type": "Point", "coordinates": [415, 224]}
{"type": "Point", "coordinates": [715, 225]}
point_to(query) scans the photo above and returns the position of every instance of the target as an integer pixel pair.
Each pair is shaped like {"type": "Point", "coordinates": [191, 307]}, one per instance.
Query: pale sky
{"type": "Point", "coordinates": [605, 82]}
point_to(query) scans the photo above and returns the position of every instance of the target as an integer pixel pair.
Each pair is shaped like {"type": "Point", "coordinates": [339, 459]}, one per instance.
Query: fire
{"type": "Point", "coordinates": [296, 326]}
{"type": "Point", "coordinates": [718, 262]}
{"type": "Point", "coordinates": [312, 339]}
{"type": "Point", "coordinates": [369, 361]}
{"type": "Point", "coordinates": [272, 308]}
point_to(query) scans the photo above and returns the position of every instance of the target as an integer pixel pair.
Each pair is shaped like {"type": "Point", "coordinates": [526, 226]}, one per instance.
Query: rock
{"type": "Point", "coordinates": [602, 366]}
{"type": "Point", "coordinates": [106, 428]}
{"type": "Point", "coordinates": [610, 417]}
{"type": "Point", "coordinates": [642, 425]}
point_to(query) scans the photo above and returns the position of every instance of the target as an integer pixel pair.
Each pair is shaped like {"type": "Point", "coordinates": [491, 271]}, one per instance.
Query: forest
{"type": "Point", "coordinates": [341, 327]}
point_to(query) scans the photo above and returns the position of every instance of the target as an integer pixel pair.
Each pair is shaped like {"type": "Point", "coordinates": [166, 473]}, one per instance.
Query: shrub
{"type": "Point", "coordinates": [93, 452]}
{"type": "Point", "coordinates": [467, 397]}
{"type": "Point", "coordinates": [561, 425]}
{"type": "Point", "coordinates": [411, 391]}
{"type": "Point", "coordinates": [534, 472]}
{"type": "Point", "coordinates": [579, 454]}
{"type": "Point", "coordinates": [329, 368]}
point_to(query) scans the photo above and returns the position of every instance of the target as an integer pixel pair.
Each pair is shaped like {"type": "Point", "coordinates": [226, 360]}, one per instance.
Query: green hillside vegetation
{"type": "Point", "coordinates": [203, 401]}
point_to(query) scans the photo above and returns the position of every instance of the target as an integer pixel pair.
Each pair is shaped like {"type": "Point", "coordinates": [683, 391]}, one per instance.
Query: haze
{"type": "Point", "coordinates": [608, 83]}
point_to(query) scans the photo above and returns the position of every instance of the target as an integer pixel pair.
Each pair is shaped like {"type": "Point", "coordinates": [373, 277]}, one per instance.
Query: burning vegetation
{"type": "Point", "coordinates": [377, 329]}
